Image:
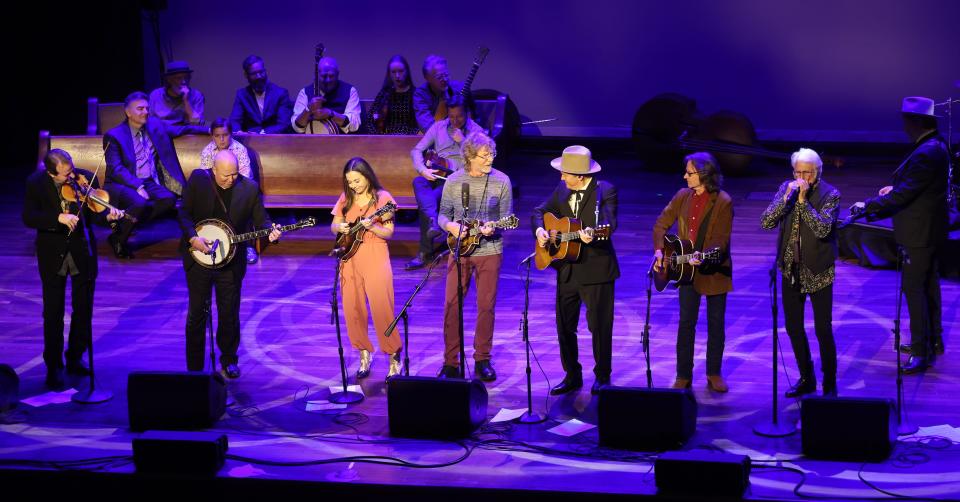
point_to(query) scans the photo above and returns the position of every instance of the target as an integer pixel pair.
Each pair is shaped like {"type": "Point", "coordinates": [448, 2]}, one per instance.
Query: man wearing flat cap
{"type": "Point", "coordinates": [917, 201]}
{"type": "Point", "coordinates": [588, 280]}
{"type": "Point", "coordinates": [176, 103]}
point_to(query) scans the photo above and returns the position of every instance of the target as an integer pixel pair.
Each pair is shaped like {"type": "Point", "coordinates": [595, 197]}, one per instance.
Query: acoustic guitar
{"type": "Point", "coordinates": [471, 239]}
{"type": "Point", "coordinates": [564, 242]}
{"type": "Point", "coordinates": [676, 269]}
{"type": "Point", "coordinates": [349, 242]}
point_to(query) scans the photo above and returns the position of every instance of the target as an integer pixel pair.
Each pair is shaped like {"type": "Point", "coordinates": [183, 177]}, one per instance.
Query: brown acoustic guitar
{"type": "Point", "coordinates": [676, 269]}
{"type": "Point", "coordinates": [471, 239]}
{"type": "Point", "coordinates": [349, 242]}
{"type": "Point", "coordinates": [564, 242]}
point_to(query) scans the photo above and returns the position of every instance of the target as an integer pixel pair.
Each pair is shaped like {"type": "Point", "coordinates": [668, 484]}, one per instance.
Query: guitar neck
{"type": "Point", "coordinates": [469, 81]}
{"type": "Point", "coordinates": [257, 234]}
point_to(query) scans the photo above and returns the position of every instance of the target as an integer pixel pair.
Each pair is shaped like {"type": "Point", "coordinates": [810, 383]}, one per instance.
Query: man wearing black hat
{"type": "Point", "coordinates": [591, 277]}
{"type": "Point", "coordinates": [917, 201]}
{"type": "Point", "coordinates": [176, 103]}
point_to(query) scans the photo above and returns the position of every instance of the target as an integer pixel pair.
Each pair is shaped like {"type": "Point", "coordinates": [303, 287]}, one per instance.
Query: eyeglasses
{"type": "Point", "coordinates": [803, 173]}
{"type": "Point", "coordinates": [688, 173]}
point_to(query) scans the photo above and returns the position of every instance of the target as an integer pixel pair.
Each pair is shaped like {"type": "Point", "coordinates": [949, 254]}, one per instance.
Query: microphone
{"type": "Point", "coordinates": [213, 247]}
{"type": "Point", "coordinates": [465, 195]}
{"type": "Point", "coordinates": [528, 258]}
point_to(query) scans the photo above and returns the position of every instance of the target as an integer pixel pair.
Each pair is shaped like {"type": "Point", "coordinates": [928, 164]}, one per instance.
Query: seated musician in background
{"type": "Point", "coordinates": [591, 278]}
{"type": "Point", "coordinates": [223, 194]}
{"type": "Point", "coordinates": [442, 140]}
{"type": "Point", "coordinates": [704, 215]}
{"type": "Point", "coordinates": [430, 99]}
{"type": "Point", "coordinates": [366, 276]}
{"type": "Point", "coordinates": [222, 139]}
{"type": "Point", "coordinates": [176, 103]}
{"type": "Point", "coordinates": [490, 198]}
{"type": "Point", "coordinates": [334, 110]}
{"type": "Point", "coordinates": [143, 174]}
{"type": "Point", "coordinates": [392, 109]}
{"type": "Point", "coordinates": [261, 107]}
{"type": "Point", "coordinates": [806, 209]}
{"type": "Point", "coordinates": [66, 247]}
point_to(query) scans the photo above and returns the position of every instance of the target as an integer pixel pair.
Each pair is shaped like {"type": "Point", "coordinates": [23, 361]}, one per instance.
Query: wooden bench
{"type": "Point", "coordinates": [295, 170]}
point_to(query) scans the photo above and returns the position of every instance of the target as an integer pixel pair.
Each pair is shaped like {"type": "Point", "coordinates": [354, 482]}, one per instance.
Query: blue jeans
{"type": "Point", "coordinates": [689, 312]}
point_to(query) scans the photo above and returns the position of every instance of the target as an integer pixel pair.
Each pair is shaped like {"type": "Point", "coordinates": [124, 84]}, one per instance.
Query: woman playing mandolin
{"type": "Point", "coordinates": [366, 275]}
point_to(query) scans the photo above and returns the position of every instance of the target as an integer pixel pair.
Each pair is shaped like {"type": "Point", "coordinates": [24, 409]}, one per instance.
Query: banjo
{"type": "Point", "coordinates": [224, 240]}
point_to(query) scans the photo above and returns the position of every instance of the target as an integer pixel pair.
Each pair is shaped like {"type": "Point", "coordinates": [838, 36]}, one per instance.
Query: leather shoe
{"type": "Point", "coordinates": [938, 345]}
{"type": "Point", "coordinates": [568, 384]}
{"type": "Point", "coordinates": [418, 261]}
{"type": "Point", "coordinates": [231, 371]}
{"type": "Point", "coordinates": [485, 372]}
{"type": "Point", "coordinates": [120, 249]}
{"type": "Point", "coordinates": [805, 385]}
{"type": "Point", "coordinates": [716, 383]}
{"type": "Point", "coordinates": [77, 368]}
{"type": "Point", "coordinates": [54, 379]}
{"type": "Point", "coordinates": [906, 348]}
{"type": "Point", "coordinates": [682, 383]}
{"type": "Point", "coordinates": [829, 387]}
{"type": "Point", "coordinates": [449, 372]}
{"type": "Point", "coordinates": [599, 382]}
{"type": "Point", "coordinates": [916, 364]}
{"type": "Point", "coordinates": [252, 255]}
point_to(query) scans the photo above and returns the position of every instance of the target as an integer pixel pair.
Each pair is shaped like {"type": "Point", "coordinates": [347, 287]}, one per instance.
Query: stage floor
{"type": "Point", "coordinates": [288, 356]}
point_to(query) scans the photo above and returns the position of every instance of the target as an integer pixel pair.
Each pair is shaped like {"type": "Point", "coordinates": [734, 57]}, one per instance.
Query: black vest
{"type": "Point", "coordinates": [816, 254]}
{"type": "Point", "coordinates": [336, 100]}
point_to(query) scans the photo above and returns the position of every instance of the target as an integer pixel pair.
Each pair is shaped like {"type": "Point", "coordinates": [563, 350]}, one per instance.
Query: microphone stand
{"type": "Point", "coordinates": [774, 429]}
{"type": "Point", "coordinates": [463, 354]}
{"type": "Point", "coordinates": [92, 395]}
{"type": "Point", "coordinates": [904, 428]}
{"type": "Point", "coordinates": [345, 396]}
{"type": "Point", "coordinates": [645, 336]}
{"type": "Point", "coordinates": [403, 314]}
{"type": "Point", "coordinates": [529, 417]}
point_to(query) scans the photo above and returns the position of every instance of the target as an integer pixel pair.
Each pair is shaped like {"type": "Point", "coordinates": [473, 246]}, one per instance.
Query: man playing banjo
{"type": "Point", "coordinates": [223, 194]}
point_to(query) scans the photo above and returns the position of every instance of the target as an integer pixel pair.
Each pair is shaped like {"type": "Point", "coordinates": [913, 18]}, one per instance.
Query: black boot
{"type": "Point", "coordinates": [830, 385]}
{"type": "Point", "coordinates": [807, 383]}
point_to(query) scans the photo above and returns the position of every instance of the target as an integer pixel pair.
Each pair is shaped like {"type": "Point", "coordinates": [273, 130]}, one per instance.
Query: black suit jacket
{"type": "Point", "coordinates": [121, 158]}
{"type": "Point", "coordinates": [918, 201]}
{"type": "Point", "coordinates": [199, 203]}
{"type": "Point", "coordinates": [598, 260]}
{"type": "Point", "coordinates": [277, 110]}
{"type": "Point", "coordinates": [41, 208]}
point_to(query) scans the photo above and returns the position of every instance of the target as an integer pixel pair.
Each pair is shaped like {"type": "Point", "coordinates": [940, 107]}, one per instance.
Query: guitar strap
{"type": "Point", "coordinates": [213, 186]}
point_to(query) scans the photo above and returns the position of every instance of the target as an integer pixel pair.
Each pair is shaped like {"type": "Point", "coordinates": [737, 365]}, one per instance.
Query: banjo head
{"type": "Point", "coordinates": [217, 231]}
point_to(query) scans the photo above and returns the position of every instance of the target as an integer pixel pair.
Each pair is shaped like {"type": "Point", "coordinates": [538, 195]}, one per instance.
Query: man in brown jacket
{"type": "Point", "coordinates": [704, 215]}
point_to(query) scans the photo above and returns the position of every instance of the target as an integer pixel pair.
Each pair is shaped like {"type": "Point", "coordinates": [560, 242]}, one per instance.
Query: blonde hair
{"type": "Point", "coordinates": [474, 142]}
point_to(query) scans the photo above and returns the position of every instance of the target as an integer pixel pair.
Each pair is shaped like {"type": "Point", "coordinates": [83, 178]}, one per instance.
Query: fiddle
{"type": "Point", "coordinates": [78, 189]}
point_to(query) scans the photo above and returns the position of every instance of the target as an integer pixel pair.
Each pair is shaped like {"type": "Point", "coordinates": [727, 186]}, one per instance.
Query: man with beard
{"type": "Point", "coordinates": [261, 107]}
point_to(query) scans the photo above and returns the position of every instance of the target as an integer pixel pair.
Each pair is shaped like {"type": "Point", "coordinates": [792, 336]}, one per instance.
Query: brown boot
{"type": "Point", "coordinates": [716, 383]}
{"type": "Point", "coordinates": [681, 383]}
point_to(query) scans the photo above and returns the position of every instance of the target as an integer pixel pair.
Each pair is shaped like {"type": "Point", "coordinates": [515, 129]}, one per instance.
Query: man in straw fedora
{"type": "Point", "coordinates": [917, 201]}
{"type": "Point", "coordinates": [589, 279]}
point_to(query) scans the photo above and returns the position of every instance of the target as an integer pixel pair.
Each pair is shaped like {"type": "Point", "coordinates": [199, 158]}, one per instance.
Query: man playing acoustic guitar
{"type": "Point", "coordinates": [589, 277]}
{"type": "Point", "coordinates": [704, 215]}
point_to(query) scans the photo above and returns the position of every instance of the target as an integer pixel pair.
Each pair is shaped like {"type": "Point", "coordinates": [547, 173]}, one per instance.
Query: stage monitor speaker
{"type": "Point", "coordinates": [175, 400]}
{"type": "Point", "coordinates": [846, 428]}
{"type": "Point", "coordinates": [185, 453]}
{"type": "Point", "coordinates": [9, 388]}
{"type": "Point", "coordinates": [702, 473]}
{"type": "Point", "coordinates": [426, 407]}
{"type": "Point", "coordinates": [635, 418]}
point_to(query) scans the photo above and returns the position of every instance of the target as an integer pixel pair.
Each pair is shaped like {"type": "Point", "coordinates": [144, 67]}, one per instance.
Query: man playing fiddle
{"type": "Point", "coordinates": [65, 247]}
